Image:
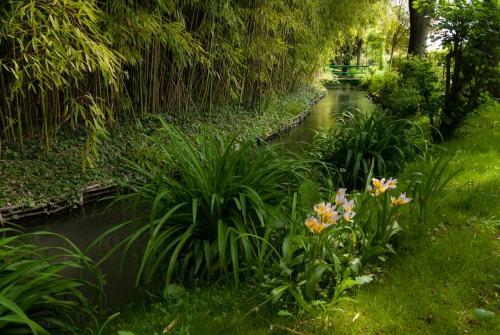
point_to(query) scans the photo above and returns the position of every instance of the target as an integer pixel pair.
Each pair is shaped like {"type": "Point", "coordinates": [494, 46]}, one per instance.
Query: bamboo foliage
{"type": "Point", "coordinates": [88, 63]}
{"type": "Point", "coordinates": [49, 47]}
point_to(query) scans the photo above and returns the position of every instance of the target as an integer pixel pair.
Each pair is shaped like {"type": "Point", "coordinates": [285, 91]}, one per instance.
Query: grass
{"type": "Point", "coordinates": [213, 310]}
{"type": "Point", "coordinates": [443, 271]}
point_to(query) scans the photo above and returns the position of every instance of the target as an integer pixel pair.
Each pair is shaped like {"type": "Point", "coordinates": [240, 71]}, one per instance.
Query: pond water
{"type": "Point", "coordinates": [337, 99]}
{"type": "Point", "coordinates": [82, 226]}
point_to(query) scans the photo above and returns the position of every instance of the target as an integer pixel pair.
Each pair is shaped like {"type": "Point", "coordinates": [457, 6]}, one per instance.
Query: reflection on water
{"type": "Point", "coordinates": [82, 226]}
{"type": "Point", "coordinates": [336, 100]}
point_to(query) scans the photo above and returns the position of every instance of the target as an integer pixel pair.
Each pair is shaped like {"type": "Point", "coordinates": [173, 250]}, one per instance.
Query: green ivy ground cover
{"type": "Point", "coordinates": [33, 179]}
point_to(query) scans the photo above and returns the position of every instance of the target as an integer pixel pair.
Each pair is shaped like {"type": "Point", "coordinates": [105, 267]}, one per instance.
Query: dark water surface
{"type": "Point", "coordinates": [82, 226]}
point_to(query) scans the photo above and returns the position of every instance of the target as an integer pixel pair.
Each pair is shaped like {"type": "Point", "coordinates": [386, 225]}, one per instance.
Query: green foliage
{"type": "Point", "coordinates": [47, 48]}
{"type": "Point", "coordinates": [414, 89]}
{"type": "Point", "coordinates": [356, 141]}
{"type": "Point", "coordinates": [211, 190]}
{"type": "Point", "coordinates": [88, 64]}
{"type": "Point", "coordinates": [321, 257]}
{"type": "Point", "coordinates": [470, 32]}
{"type": "Point", "coordinates": [441, 275]}
{"type": "Point", "coordinates": [385, 89]}
{"type": "Point", "coordinates": [446, 270]}
{"type": "Point", "coordinates": [35, 297]}
{"type": "Point", "coordinates": [33, 179]}
{"type": "Point", "coordinates": [429, 186]}
{"type": "Point", "coordinates": [376, 41]}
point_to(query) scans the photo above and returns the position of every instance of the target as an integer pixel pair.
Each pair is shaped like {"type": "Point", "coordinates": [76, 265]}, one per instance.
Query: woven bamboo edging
{"type": "Point", "coordinates": [97, 191]}
{"type": "Point", "coordinates": [53, 205]}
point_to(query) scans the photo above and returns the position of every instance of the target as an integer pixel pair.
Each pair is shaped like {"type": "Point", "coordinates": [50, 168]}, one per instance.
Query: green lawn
{"type": "Point", "coordinates": [445, 270]}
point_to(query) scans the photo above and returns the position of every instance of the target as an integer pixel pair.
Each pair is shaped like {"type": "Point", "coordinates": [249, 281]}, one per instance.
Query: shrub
{"type": "Point", "coordinates": [354, 140]}
{"type": "Point", "coordinates": [413, 89]}
{"type": "Point", "coordinates": [212, 189]}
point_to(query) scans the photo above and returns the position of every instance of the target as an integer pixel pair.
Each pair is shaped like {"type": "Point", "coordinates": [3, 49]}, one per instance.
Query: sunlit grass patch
{"type": "Point", "coordinates": [433, 289]}
{"type": "Point", "coordinates": [450, 267]}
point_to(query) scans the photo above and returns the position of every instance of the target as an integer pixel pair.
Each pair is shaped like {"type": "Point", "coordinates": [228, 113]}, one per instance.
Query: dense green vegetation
{"type": "Point", "coordinates": [449, 85]}
{"type": "Point", "coordinates": [89, 64]}
{"type": "Point", "coordinates": [173, 101]}
{"type": "Point", "coordinates": [359, 138]}
{"type": "Point", "coordinates": [33, 179]}
{"type": "Point", "coordinates": [445, 267]}
{"type": "Point", "coordinates": [35, 297]}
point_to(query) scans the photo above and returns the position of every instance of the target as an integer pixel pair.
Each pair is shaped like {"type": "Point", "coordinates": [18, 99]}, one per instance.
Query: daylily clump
{"type": "Point", "coordinates": [328, 214]}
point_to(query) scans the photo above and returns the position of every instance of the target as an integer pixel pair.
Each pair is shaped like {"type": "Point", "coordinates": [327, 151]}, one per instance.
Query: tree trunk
{"type": "Point", "coordinates": [359, 49]}
{"type": "Point", "coordinates": [394, 42]}
{"type": "Point", "coordinates": [419, 30]}
{"type": "Point", "coordinates": [449, 56]}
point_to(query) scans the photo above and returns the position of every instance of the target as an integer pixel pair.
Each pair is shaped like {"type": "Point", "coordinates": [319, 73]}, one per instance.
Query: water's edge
{"type": "Point", "coordinates": [85, 224]}
{"type": "Point", "coordinates": [96, 192]}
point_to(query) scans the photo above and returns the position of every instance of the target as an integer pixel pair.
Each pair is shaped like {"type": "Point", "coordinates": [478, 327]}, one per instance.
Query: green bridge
{"type": "Point", "coordinates": [349, 74]}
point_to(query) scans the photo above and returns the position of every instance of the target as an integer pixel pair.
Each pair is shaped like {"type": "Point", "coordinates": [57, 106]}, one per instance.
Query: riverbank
{"type": "Point", "coordinates": [450, 267]}
{"type": "Point", "coordinates": [442, 272]}
{"type": "Point", "coordinates": [33, 184]}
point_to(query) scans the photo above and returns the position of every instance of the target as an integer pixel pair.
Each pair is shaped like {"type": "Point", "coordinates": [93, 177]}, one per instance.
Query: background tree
{"type": "Point", "coordinates": [420, 20]}
{"type": "Point", "coordinates": [398, 28]}
{"type": "Point", "coordinates": [353, 39]}
{"type": "Point", "coordinates": [470, 32]}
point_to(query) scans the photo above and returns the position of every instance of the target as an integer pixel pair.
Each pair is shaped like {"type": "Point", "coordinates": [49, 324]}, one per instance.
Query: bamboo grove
{"type": "Point", "coordinates": [87, 64]}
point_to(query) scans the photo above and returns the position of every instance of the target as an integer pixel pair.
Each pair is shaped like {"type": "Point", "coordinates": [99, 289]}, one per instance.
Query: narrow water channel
{"type": "Point", "coordinates": [84, 225]}
{"type": "Point", "coordinates": [337, 99]}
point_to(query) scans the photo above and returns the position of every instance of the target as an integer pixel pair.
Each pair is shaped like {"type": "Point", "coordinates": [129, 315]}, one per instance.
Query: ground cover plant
{"type": "Point", "coordinates": [35, 179]}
